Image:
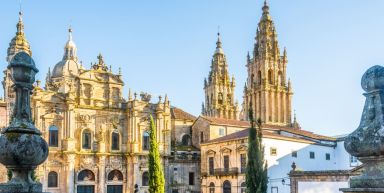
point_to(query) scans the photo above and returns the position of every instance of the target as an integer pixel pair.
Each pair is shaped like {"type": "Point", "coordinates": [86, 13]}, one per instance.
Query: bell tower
{"type": "Point", "coordinates": [219, 88]}
{"type": "Point", "coordinates": [267, 88]}
{"type": "Point", "coordinates": [19, 43]}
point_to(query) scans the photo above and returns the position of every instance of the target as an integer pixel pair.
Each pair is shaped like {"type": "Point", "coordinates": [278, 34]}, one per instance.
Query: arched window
{"type": "Point", "coordinates": [52, 179]}
{"type": "Point", "coordinates": [145, 179]}
{"type": "Point", "coordinates": [115, 93]}
{"type": "Point", "coordinates": [270, 77]}
{"type": "Point", "coordinates": [259, 78]}
{"type": "Point", "coordinates": [229, 99]}
{"type": "Point", "coordinates": [86, 175]}
{"type": "Point", "coordinates": [115, 140]}
{"type": "Point", "coordinates": [220, 98]}
{"type": "Point", "coordinates": [227, 187]}
{"type": "Point", "coordinates": [145, 140]}
{"type": "Point", "coordinates": [186, 140]}
{"type": "Point", "coordinates": [252, 79]}
{"type": "Point", "coordinates": [211, 187]}
{"type": "Point", "coordinates": [86, 139]}
{"type": "Point", "coordinates": [53, 136]}
{"type": "Point", "coordinates": [115, 175]}
{"type": "Point", "coordinates": [243, 187]}
{"type": "Point", "coordinates": [279, 79]}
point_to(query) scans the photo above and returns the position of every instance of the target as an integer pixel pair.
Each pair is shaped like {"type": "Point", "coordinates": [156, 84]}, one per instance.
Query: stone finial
{"type": "Point", "coordinates": [22, 148]}
{"type": "Point", "coordinates": [367, 141]}
{"type": "Point", "coordinates": [145, 96]}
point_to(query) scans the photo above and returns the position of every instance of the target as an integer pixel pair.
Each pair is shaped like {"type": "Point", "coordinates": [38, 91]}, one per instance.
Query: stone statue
{"type": "Point", "coordinates": [367, 141]}
{"type": "Point", "coordinates": [22, 148]}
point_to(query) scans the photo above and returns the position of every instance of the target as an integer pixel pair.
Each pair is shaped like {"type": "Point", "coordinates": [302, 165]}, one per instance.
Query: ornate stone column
{"type": "Point", "coordinates": [101, 174]}
{"type": "Point", "coordinates": [367, 141]}
{"type": "Point", "coordinates": [22, 148]}
{"type": "Point", "coordinates": [71, 173]}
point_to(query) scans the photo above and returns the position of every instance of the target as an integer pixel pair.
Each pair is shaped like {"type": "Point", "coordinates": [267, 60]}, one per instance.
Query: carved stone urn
{"type": "Point", "coordinates": [22, 148]}
{"type": "Point", "coordinates": [367, 141]}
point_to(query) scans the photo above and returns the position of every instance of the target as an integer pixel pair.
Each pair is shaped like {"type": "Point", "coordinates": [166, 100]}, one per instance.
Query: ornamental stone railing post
{"type": "Point", "coordinates": [22, 148]}
{"type": "Point", "coordinates": [367, 141]}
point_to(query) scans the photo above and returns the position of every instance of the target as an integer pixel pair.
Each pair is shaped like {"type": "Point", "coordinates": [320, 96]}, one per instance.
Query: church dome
{"type": "Point", "coordinates": [65, 68]}
{"type": "Point", "coordinates": [69, 64]}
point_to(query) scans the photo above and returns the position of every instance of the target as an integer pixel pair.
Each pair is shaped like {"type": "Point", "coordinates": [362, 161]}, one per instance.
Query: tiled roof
{"type": "Point", "coordinates": [244, 134]}
{"type": "Point", "coordinates": [177, 113]}
{"type": "Point", "coordinates": [275, 132]}
{"type": "Point", "coordinates": [300, 132]}
{"type": "Point", "coordinates": [229, 122]}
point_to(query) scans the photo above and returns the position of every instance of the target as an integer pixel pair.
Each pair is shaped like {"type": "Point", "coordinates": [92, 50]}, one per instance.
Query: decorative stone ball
{"type": "Point", "coordinates": [23, 68]}
{"type": "Point", "coordinates": [373, 79]}
{"type": "Point", "coordinates": [22, 150]}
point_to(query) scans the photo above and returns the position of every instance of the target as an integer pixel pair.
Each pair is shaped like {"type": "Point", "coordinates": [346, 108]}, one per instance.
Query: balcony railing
{"type": "Point", "coordinates": [226, 171]}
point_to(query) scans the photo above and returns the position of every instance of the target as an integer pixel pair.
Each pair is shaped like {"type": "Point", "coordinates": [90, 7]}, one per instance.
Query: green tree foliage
{"type": "Point", "coordinates": [33, 175]}
{"type": "Point", "coordinates": [156, 175]}
{"type": "Point", "coordinates": [257, 173]}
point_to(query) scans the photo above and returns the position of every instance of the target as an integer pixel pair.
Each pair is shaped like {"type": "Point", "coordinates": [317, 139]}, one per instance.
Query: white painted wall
{"type": "Point", "coordinates": [280, 165]}
{"type": "Point", "coordinates": [321, 187]}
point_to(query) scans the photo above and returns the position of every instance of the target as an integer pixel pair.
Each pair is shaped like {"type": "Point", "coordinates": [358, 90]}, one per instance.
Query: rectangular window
{"type": "Point", "coordinates": [353, 161]}
{"type": "Point", "coordinates": [191, 178]}
{"type": "Point", "coordinates": [226, 163]}
{"type": "Point", "coordinates": [201, 137]}
{"type": "Point", "coordinates": [294, 153]}
{"type": "Point", "coordinates": [175, 191]}
{"type": "Point", "coordinates": [327, 156]}
{"type": "Point", "coordinates": [243, 162]}
{"type": "Point", "coordinates": [274, 189]}
{"type": "Point", "coordinates": [312, 155]}
{"type": "Point", "coordinates": [221, 131]}
{"type": "Point", "coordinates": [273, 151]}
{"type": "Point", "coordinates": [53, 138]}
{"type": "Point", "coordinates": [211, 166]}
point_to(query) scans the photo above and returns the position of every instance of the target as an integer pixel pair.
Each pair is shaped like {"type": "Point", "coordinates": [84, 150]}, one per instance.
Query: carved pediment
{"type": "Point", "coordinates": [242, 148]}
{"type": "Point", "coordinates": [225, 150]}
{"type": "Point", "coordinates": [210, 152]}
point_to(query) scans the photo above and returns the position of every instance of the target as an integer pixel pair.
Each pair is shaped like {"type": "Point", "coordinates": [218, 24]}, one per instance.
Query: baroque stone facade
{"type": "Point", "coordinates": [98, 140]}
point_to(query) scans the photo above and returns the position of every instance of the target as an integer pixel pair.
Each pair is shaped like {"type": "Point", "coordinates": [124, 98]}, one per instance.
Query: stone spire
{"type": "Point", "coordinates": [70, 48]}
{"type": "Point", "coordinates": [219, 87]}
{"type": "Point", "coordinates": [19, 42]}
{"type": "Point", "coordinates": [267, 88]}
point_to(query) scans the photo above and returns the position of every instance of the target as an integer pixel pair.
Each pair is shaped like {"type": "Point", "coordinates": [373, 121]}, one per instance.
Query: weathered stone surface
{"type": "Point", "coordinates": [367, 141]}
{"type": "Point", "coordinates": [22, 148]}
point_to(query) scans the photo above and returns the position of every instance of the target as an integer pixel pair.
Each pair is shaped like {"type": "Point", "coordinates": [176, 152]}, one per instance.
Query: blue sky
{"type": "Point", "coordinates": [166, 46]}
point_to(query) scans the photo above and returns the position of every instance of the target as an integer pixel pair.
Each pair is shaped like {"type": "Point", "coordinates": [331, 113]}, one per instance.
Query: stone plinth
{"type": "Point", "coordinates": [362, 190]}
{"type": "Point", "coordinates": [18, 188]}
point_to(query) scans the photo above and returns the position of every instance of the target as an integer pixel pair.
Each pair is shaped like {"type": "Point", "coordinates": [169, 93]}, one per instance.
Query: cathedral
{"type": "Point", "coordinates": [99, 142]}
{"type": "Point", "coordinates": [98, 139]}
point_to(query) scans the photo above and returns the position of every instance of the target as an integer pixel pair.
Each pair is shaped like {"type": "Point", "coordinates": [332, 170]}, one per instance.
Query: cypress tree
{"type": "Point", "coordinates": [156, 176]}
{"type": "Point", "coordinates": [257, 173]}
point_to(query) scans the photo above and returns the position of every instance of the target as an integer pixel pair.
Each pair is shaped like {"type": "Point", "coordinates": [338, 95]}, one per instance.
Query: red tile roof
{"type": "Point", "coordinates": [229, 122]}
{"type": "Point", "coordinates": [268, 130]}
{"type": "Point", "coordinates": [177, 113]}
